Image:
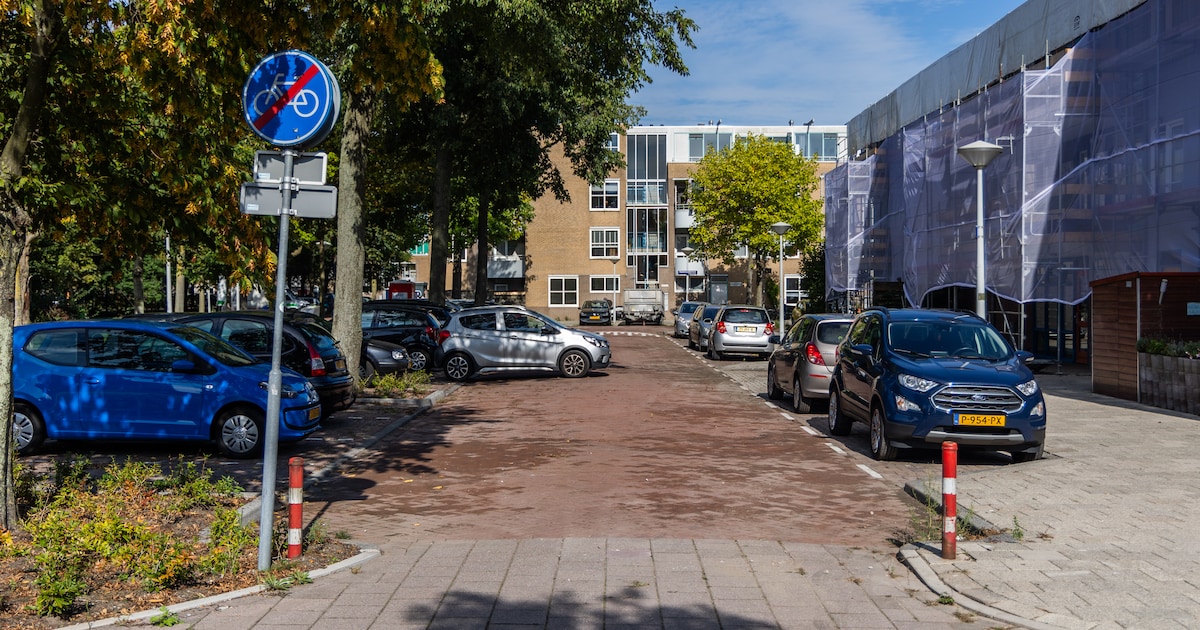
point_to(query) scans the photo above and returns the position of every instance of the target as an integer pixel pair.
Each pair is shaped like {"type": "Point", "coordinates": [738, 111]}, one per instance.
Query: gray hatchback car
{"type": "Point", "coordinates": [493, 339]}
{"type": "Point", "coordinates": [802, 364]}
{"type": "Point", "coordinates": [698, 327]}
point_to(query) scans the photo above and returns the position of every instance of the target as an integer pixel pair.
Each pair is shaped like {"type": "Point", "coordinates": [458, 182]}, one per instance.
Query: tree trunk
{"type": "Point", "coordinates": [139, 287]}
{"type": "Point", "coordinates": [457, 280]}
{"type": "Point", "coordinates": [14, 224]}
{"type": "Point", "coordinates": [440, 228]}
{"type": "Point", "coordinates": [22, 295]}
{"type": "Point", "coordinates": [352, 182]}
{"type": "Point", "coordinates": [483, 248]}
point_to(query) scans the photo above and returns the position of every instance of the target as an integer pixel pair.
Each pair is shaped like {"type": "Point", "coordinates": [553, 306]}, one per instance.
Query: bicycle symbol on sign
{"type": "Point", "coordinates": [305, 102]}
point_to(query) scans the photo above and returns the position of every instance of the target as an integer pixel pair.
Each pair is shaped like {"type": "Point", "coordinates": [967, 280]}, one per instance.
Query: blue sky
{"type": "Point", "coordinates": [763, 62]}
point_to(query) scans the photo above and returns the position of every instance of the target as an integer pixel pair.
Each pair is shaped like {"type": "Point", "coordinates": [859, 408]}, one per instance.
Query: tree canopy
{"type": "Point", "coordinates": [739, 192]}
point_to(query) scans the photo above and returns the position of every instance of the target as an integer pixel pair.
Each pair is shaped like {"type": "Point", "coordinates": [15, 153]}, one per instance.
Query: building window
{"type": "Point", "coordinates": [564, 290]}
{"type": "Point", "coordinates": [614, 142]}
{"type": "Point", "coordinates": [792, 295]}
{"type": "Point", "coordinates": [607, 196]}
{"type": "Point", "coordinates": [606, 242]}
{"type": "Point", "coordinates": [605, 284]}
{"type": "Point", "coordinates": [701, 143]}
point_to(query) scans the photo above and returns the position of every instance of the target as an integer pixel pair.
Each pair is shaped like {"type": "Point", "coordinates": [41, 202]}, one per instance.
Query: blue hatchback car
{"type": "Point", "coordinates": [919, 378]}
{"type": "Point", "coordinates": [145, 380]}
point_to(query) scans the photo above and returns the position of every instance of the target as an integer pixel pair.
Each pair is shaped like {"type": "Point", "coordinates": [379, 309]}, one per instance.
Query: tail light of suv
{"type": "Point", "coordinates": [770, 330]}
{"type": "Point", "coordinates": [442, 336]}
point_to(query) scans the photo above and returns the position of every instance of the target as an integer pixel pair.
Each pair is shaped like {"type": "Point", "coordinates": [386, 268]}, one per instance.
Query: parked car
{"type": "Point", "coordinates": [803, 360]}
{"type": "Point", "coordinates": [307, 348]}
{"type": "Point", "coordinates": [490, 339]}
{"type": "Point", "coordinates": [375, 356]}
{"type": "Point", "coordinates": [380, 358]}
{"type": "Point", "coordinates": [595, 312]}
{"type": "Point", "coordinates": [683, 317]}
{"type": "Point", "coordinates": [440, 313]}
{"type": "Point", "coordinates": [740, 329]}
{"type": "Point", "coordinates": [922, 377]}
{"type": "Point", "coordinates": [698, 327]}
{"type": "Point", "coordinates": [411, 326]}
{"type": "Point", "coordinates": [138, 379]}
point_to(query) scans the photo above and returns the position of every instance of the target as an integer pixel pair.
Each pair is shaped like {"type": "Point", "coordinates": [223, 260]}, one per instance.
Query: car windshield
{"type": "Point", "coordinates": [958, 339]}
{"type": "Point", "coordinates": [214, 347]}
{"type": "Point", "coordinates": [595, 304]}
{"type": "Point", "coordinates": [687, 307]}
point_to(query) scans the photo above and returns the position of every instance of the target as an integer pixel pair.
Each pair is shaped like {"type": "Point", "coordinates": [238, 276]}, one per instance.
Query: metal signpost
{"type": "Point", "coordinates": [291, 100]}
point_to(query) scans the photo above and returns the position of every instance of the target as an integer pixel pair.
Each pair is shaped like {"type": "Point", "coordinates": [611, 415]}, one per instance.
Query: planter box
{"type": "Point", "coordinates": [1169, 382]}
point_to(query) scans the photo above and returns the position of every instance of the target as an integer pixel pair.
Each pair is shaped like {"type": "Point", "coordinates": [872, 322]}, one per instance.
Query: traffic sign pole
{"type": "Point", "coordinates": [266, 516]}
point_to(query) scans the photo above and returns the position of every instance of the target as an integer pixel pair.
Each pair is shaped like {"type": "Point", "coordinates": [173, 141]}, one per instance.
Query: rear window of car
{"type": "Point", "coordinates": [832, 332]}
{"type": "Point", "coordinates": [60, 347]}
{"type": "Point", "coordinates": [746, 316]}
{"type": "Point", "coordinates": [318, 337]}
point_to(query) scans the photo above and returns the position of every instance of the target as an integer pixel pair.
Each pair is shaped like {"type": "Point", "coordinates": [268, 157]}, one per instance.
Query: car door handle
{"type": "Point", "coordinates": [92, 381]}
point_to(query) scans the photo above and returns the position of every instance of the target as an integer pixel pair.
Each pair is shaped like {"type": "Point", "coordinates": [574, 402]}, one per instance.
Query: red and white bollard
{"type": "Point", "coordinates": [295, 506]}
{"type": "Point", "coordinates": [949, 500]}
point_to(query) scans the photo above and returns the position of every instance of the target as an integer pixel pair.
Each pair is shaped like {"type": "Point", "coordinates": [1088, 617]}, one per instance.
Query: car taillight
{"type": "Point", "coordinates": [429, 332]}
{"type": "Point", "coordinates": [814, 355]}
{"type": "Point", "coordinates": [315, 361]}
{"type": "Point", "coordinates": [770, 329]}
{"type": "Point", "coordinates": [720, 327]}
{"type": "Point", "coordinates": [443, 336]}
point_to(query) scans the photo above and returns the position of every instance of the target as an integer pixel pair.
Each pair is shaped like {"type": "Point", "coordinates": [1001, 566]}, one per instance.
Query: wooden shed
{"type": "Point", "coordinates": [1160, 305]}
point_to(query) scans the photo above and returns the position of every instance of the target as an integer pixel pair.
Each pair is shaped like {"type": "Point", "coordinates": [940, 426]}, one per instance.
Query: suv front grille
{"type": "Point", "coordinates": [977, 398]}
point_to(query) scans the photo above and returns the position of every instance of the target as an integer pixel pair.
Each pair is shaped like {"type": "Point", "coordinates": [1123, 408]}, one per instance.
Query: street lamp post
{"type": "Point", "coordinates": [781, 228]}
{"type": "Point", "coordinates": [687, 273]}
{"type": "Point", "coordinates": [612, 318]}
{"type": "Point", "coordinates": [979, 154]}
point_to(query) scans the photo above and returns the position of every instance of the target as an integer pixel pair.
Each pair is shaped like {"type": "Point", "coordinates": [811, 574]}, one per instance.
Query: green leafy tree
{"type": "Point", "coordinates": [739, 192]}
{"type": "Point", "coordinates": [527, 79]}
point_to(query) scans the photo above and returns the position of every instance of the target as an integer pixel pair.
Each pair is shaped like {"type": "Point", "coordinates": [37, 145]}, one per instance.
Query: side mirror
{"type": "Point", "coordinates": [1024, 356]}
{"type": "Point", "coordinates": [549, 330]}
{"type": "Point", "coordinates": [183, 365]}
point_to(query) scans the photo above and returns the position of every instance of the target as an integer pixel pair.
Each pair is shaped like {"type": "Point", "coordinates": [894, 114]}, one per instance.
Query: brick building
{"type": "Point", "coordinates": [631, 230]}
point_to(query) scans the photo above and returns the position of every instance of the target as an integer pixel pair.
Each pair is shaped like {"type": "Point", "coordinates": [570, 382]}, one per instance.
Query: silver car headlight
{"type": "Point", "coordinates": [398, 355]}
{"type": "Point", "coordinates": [597, 341]}
{"type": "Point", "coordinates": [1028, 388]}
{"type": "Point", "coordinates": [916, 383]}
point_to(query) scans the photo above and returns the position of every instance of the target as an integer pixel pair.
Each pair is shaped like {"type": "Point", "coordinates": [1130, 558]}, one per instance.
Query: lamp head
{"type": "Point", "coordinates": [980, 152]}
{"type": "Point", "coordinates": [781, 228]}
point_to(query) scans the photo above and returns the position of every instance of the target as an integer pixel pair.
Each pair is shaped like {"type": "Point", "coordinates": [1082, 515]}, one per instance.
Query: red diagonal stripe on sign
{"type": "Point", "coordinates": [274, 110]}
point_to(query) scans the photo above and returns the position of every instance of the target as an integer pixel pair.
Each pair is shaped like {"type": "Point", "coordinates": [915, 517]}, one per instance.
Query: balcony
{"type": "Point", "coordinates": [685, 267]}
{"type": "Point", "coordinates": [506, 267]}
{"type": "Point", "coordinates": [685, 217]}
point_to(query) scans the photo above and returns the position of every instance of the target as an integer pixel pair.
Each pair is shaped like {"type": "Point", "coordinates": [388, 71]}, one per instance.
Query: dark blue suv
{"type": "Point", "coordinates": [918, 378]}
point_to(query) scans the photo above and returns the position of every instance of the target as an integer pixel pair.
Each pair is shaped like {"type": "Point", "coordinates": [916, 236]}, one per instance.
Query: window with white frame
{"type": "Point", "coordinates": [606, 242]}
{"type": "Point", "coordinates": [607, 196]}
{"type": "Point", "coordinates": [605, 284]}
{"type": "Point", "coordinates": [742, 251]}
{"type": "Point", "coordinates": [564, 290]}
{"type": "Point", "coordinates": [792, 294]}
{"type": "Point", "coordinates": [614, 142]}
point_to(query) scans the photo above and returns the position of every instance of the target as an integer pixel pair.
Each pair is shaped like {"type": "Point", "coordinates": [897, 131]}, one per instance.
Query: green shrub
{"type": "Point", "coordinates": [1169, 347]}
{"type": "Point", "coordinates": [408, 384]}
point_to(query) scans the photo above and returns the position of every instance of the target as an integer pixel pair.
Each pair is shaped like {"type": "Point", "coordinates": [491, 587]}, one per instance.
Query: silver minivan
{"type": "Point", "coordinates": [491, 339]}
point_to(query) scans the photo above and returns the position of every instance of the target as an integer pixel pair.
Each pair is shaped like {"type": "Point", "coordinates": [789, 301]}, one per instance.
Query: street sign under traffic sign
{"type": "Point", "coordinates": [307, 168]}
{"type": "Point", "coordinates": [291, 99]}
{"type": "Point", "coordinates": [310, 202]}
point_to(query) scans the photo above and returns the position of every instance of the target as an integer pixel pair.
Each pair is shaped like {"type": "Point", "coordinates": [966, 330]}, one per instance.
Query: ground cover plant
{"type": "Point", "coordinates": [134, 538]}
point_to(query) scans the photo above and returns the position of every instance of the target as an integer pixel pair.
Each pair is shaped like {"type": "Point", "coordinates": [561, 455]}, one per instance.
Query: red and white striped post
{"type": "Point", "coordinates": [295, 506]}
{"type": "Point", "coordinates": [949, 500]}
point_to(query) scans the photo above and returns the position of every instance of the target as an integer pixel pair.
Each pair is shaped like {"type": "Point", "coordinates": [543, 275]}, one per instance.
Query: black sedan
{"type": "Point", "coordinates": [380, 358]}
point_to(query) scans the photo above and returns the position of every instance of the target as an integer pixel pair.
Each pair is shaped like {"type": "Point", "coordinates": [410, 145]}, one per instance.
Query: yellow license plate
{"type": "Point", "coordinates": [748, 329]}
{"type": "Point", "coordinates": [593, 317]}
{"type": "Point", "coordinates": [314, 413]}
{"type": "Point", "coordinates": [980, 419]}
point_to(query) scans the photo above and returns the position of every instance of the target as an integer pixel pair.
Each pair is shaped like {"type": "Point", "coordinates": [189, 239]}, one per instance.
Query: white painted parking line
{"type": "Point", "coordinates": [786, 415]}
{"type": "Point", "coordinates": [835, 448]}
{"type": "Point", "coordinates": [811, 431]}
{"type": "Point", "coordinates": [870, 472]}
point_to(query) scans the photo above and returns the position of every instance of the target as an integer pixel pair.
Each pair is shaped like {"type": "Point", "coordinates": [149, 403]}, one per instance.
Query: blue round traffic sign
{"type": "Point", "coordinates": [291, 99]}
